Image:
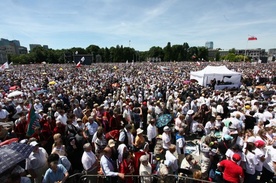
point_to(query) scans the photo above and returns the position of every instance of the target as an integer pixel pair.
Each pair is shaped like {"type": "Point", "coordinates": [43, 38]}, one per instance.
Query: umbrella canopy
{"type": "Point", "coordinates": [12, 154]}
{"type": "Point", "coordinates": [13, 87]}
{"type": "Point", "coordinates": [7, 142]}
{"type": "Point", "coordinates": [186, 82]}
{"type": "Point", "coordinates": [52, 83]}
{"type": "Point", "coordinates": [15, 94]}
{"type": "Point", "coordinates": [163, 120]}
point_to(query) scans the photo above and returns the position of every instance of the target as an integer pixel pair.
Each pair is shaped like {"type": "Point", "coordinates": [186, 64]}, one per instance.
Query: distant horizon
{"type": "Point", "coordinates": [140, 24]}
{"type": "Point", "coordinates": [28, 47]}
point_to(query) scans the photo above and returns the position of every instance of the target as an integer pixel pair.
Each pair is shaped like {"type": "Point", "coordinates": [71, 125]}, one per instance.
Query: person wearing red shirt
{"type": "Point", "coordinates": [126, 167]}
{"type": "Point", "coordinates": [60, 128]}
{"type": "Point", "coordinates": [232, 173]}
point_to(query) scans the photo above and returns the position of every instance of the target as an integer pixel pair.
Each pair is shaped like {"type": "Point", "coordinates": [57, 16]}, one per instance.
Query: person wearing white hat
{"type": "Point", "coordinates": [166, 138]}
{"type": "Point", "coordinates": [139, 139]}
{"type": "Point", "coordinates": [145, 169]}
{"type": "Point", "coordinates": [152, 134]}
{"type": "Point", "coordinates": [37, 105]}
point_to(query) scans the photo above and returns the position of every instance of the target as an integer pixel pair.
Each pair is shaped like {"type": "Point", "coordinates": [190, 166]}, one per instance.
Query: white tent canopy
{"type": "Point", "coordinates": [220, 73]}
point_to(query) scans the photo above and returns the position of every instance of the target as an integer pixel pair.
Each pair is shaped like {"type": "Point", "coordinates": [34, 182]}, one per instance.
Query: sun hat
{"type": "Point", "coordinates": [190, 111]}
{"type": "Point", "coordinates": [33, 143]}
{"type": "Point", "coordinates": [166, 129]}
{"type": "Point", "coordinates": [139, 131]}
{"type": "Point", "coordinates": [111, 143]}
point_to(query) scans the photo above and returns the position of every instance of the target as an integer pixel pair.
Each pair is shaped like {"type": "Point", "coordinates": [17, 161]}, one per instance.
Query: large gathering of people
{"type": "Point", "coordinates": [111, 119]}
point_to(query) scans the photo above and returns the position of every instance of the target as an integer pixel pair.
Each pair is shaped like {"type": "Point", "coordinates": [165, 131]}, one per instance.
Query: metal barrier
{"type": "Point", "coordinates": [84, 178]}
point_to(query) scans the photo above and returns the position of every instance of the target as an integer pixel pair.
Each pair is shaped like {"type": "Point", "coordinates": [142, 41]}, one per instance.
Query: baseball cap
{"type": "Point", "coordinates": [259, 143]}
{"type": "Point", "coordinates": [34, 143]}
{"type": "Point", "coordinates": [236, 157]}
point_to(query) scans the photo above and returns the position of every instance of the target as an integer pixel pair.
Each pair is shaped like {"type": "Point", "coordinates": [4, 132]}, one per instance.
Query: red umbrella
{"type": "Point", "coordinates": [9, 141]}
{"type": "Point", "coordinates": [186, 82]}
{"type": "Point", "coordinates": [14, 87]}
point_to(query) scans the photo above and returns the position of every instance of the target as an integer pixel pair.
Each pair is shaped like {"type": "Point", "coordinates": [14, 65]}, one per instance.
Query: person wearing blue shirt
{"type": "Point", "coordinates": [56, 173]}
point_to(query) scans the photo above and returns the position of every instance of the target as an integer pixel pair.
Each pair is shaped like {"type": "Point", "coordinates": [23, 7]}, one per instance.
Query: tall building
{"type": "Point", "coordinates": [271, 54]}
{"type": "Point", "coordinates": [3, 56]}
{"type": "Point", "coordinates": [32, 46]}
{"type": "Point", "coordinates": [10, 47]}
{"type": "Point", "coordinates": [209, 45]}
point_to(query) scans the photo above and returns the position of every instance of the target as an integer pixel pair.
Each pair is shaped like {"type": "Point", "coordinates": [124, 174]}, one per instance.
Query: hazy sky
{"type": "Point", "coordinates": [139, 23]}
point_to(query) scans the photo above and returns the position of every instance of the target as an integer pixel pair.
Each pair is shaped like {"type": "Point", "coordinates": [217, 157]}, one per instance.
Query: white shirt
{"type": "Point", "coordinates": [180, 144]}
{"type": "Point", "coordinates": [259, 117]}
{"type": "Point", "coordinates": [225, 131]}
{"type": "Point", "coordinates": [151, 132]}
{"type": "Point", "coordinates": [173, 160]}
{"type": "Point", "coordinates": [229, 153]}
{"type": "Point", "coordinates": [3, 113]}
{"type": "Point", "coordinates": [62, 119]}
{"type": "Point", "coordinates": [178, 124]}
{"type": "Point", "coordinates": [194, 126]}
{"type": "Point", "coordinates": [37, 160]}
{"type": "Point", "coordinates": [250, 163]}
{"type": "Point", "coordinates": [166, 140]}
{"type": "Point", "coordinates": [220, 109]}
{"type": "Point", "coordinates": [129, 137]}
{"type": "Point", "coordinates": [107, 166]}
{"type": "Point", "coordinates": [259, 153]}
{"type": "Point", "coordinates": [269, 157]}
{"type": "Point", "coordinates": [268, 115]}
{"type": "Point", "coordinates": [92, 128]}
{"type": "Point", "coordinates": [145, 170]}
{"type": "Point", "coordinates": [88, 159]}
{"type": "Point", "coordinates": [209, 127]}
{"type": "Point", "coordinates": [38, 106]}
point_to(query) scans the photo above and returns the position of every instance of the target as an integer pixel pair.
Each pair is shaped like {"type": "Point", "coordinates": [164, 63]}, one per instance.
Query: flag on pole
{"type": "Point", "coordinates": [78, 65]}
{"type": "Point", "coordinates": [33, 122]}
{"type": "Point", "coordinates": [252, 38]}
{"type": "Point", "coordinates": [82, 59]}
{"type": "Point", "coordinates": [4, 66]}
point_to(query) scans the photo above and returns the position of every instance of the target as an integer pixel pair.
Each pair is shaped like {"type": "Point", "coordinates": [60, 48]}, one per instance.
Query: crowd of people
{"type": "Point", "coordinates": [108, 119]}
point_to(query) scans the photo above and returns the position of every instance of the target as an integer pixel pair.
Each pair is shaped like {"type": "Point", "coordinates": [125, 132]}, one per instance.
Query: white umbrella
{"type": "Point", "coordinates": [15, 93]}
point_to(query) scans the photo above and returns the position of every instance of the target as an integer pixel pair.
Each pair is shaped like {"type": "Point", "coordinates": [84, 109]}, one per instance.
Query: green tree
{"type": "Point", "coordinates": [156, 51]}
{"type": "Point", "coordinates": [203, 53]}
{"type": "Point", "coordinates": [233, 50]}
{"type": "Point", "coordinates": [168, 52]}
{"type": "Point", "coordinates": [177, 52]}
{"type": "Point", "coordinates": [217, 56]}
{"type": "Point", "coordinates": [186, 51]}
{"type": "Point", "coordinates": [231, 57]}
{"type": "Point", "coordinates": [193, 53]}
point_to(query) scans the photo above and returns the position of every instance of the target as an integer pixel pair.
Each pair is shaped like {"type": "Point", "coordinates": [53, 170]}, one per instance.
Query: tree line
{"type": "Point", "coordinates": [118, 54]}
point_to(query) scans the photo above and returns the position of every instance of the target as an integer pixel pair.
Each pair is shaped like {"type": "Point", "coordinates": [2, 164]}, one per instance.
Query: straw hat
{"type": "Point", "coordinates": [139, 131]}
